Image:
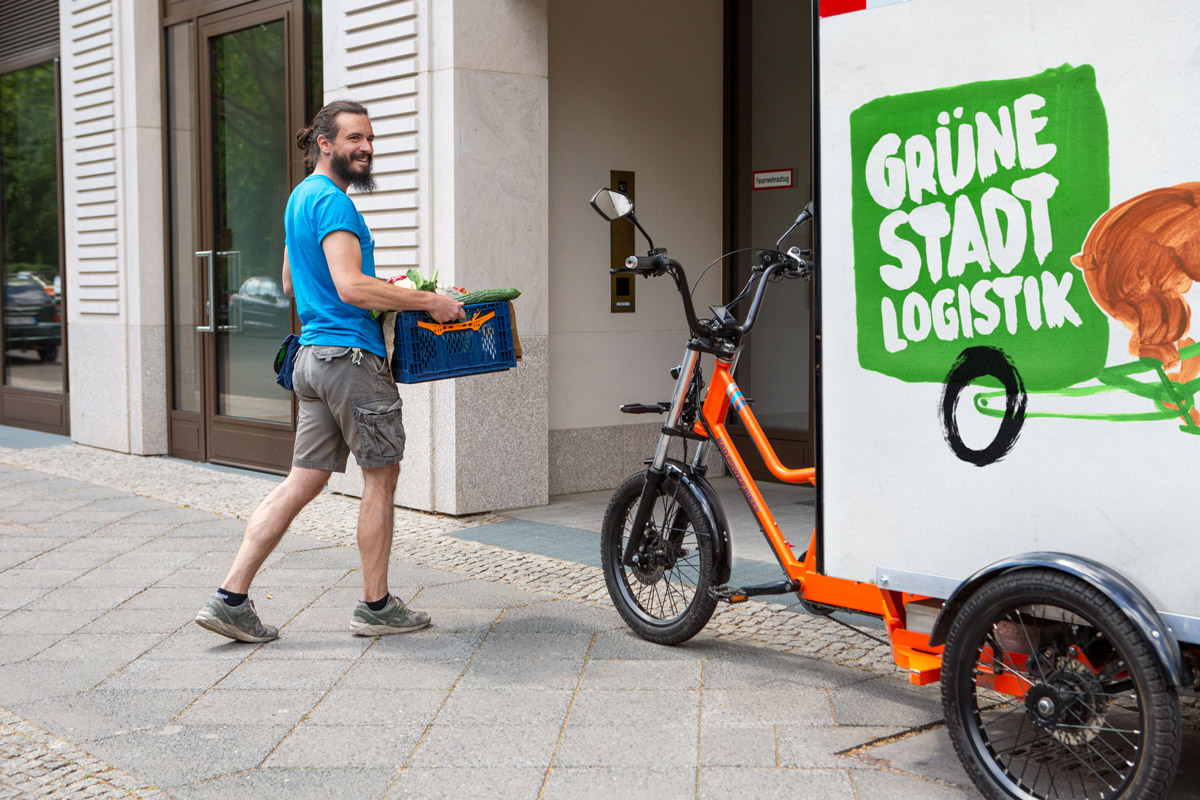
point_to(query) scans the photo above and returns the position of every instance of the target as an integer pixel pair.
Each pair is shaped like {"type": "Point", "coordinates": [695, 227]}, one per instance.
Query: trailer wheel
{"type": "Point", "coordinates": [972, 364]}
{"type": "Point", "coordinates": [1050, 691]}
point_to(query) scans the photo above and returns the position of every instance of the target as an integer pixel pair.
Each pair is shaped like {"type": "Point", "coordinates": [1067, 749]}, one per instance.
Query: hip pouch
{"type": "Point", "coordinates": [285, 361]}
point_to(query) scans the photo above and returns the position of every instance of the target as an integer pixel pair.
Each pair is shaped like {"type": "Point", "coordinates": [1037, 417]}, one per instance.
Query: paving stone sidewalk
{"type": "Point", "coordinates": [528, 685]}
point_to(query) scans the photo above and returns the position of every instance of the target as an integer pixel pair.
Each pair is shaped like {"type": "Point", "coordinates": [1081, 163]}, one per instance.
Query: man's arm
{"type": "Point", "coordinates": [353, 287]}
{"type": "Point", "coordinates": [287, 274]}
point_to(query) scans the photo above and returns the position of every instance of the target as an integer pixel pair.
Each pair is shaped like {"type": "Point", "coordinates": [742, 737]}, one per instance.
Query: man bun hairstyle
{"type": "Point", "coordinates": [324, 124]}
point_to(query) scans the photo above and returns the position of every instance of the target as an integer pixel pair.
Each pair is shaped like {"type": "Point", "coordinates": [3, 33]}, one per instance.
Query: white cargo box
{"type": "Point", "coordinates": [1016, 181]}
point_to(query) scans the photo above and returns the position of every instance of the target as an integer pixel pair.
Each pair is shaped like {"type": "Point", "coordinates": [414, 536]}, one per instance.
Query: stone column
{"type": "Point", "coordinates": [489, 176]}
{"type": "Point", "coordinates": [458, 95]}
{"type": "Point", "coordinates": [113, 198]}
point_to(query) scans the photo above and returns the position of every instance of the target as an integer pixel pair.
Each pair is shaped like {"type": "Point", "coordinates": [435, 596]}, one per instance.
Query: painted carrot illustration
{"type": "Point", "coordinates": [1139, 260]}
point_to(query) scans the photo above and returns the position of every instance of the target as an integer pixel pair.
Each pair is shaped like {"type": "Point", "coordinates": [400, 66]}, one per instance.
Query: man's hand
{"type": "Point", "coordinates": [443, 308]}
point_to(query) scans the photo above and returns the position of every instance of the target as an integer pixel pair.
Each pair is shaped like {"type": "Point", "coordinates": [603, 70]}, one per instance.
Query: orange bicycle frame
{"type": "Point", "coordinates": [910, 650]}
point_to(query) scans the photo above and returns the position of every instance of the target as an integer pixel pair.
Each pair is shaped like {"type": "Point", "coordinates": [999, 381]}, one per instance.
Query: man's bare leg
{"type": "Point", "coordinates": [380, 613]}
{"type": "Point", "coordinates": [270, 521]}
{"type": "Point", "coordinates": [376, 517]}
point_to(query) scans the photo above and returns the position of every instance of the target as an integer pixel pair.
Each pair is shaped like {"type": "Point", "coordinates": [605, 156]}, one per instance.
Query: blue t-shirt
{"type": "Point", "coordinates": [317, 208]}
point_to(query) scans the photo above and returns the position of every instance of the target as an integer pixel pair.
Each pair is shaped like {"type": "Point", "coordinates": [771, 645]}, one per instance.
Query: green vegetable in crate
{"type": "Point", "coordinates": [489, 296]}
{"type": "Point", "coordinates": [421, 284]}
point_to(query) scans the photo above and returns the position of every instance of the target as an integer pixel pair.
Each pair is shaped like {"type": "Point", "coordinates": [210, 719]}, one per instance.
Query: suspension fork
{"type": "Point", "coordinates": [656, 473]}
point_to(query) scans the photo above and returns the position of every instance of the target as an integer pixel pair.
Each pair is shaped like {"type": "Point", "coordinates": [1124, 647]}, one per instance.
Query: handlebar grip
{"type": "Point", "coordinates": [642, 263]}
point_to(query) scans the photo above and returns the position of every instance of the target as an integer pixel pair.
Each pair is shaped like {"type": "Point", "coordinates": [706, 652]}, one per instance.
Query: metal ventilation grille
{"type": "Point", "coordinates": [28, 28]}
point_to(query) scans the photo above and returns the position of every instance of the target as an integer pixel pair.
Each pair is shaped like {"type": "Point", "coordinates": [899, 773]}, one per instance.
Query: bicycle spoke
{"type": "Point", "coordinates": [1092, 748]}
{"type": "Point", "coordinates": [1102, 730]}
{"type": "Point", "coordinates": [674, 592]}
{"type": "Point", "coordinates": [668, 595]}
{"type": "Point", "coordinates": [1084, 726]}
{"type": "Point", "coordinates": [1021, 727]}
{"type": "Point", "coordinates": [1032, 650]}
{"type": "Point", "coordinates": [649, 593]}
{"type": "Point", "coordinates": [1089, 767]}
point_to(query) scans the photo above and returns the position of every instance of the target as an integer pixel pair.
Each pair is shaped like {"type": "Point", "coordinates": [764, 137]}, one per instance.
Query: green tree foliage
{"type": "Point", "coordinates": [250, 141]}
{"type": "Point", "coordinates": [29, 171]}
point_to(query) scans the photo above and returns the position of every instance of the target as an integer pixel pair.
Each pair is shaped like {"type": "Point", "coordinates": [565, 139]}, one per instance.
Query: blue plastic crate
{"type": "Point", "coordinates": [426, 350]}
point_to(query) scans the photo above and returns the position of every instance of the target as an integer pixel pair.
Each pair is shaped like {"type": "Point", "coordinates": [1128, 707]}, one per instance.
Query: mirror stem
{"type": "Point", "coordinates": [640, 228]}
{"type": "Point", "coordinates": [806, 214]}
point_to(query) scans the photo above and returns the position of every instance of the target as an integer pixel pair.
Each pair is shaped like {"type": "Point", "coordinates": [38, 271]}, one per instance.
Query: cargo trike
{"type": "Point", "coordinates": [1059, 677]}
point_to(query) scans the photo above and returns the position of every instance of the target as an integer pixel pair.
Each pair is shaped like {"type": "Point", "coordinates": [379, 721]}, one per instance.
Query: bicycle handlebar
{"type": "Point", "coordinates": [760, 293]}
{"type": "Point", "coordinates": [723, 325]}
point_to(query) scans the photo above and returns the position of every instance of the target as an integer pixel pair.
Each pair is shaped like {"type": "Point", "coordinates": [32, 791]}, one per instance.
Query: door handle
{"type": "Point", "coordinates": [207, 255]}
{"type": "Point", "coordinates": [212, 286]}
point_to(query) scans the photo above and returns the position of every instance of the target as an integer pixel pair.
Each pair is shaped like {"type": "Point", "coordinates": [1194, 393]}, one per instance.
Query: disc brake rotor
{"type": "Point", "coordinates": [1069, 703]}
{"type": "Point", "coordinates": [649, 569]}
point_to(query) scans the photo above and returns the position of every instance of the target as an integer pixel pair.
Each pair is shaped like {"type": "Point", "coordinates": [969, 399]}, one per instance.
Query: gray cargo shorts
{"type": "Point", "coordinates": [348, 404]}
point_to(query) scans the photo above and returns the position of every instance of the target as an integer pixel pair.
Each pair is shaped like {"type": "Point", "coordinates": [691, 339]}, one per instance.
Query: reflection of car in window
{"type": "Point", "coordinates": [260, 306]}
{"type": "Point", "coordinates": [51, 290]}
{"type": "Point", "coordinates": [32, 317]}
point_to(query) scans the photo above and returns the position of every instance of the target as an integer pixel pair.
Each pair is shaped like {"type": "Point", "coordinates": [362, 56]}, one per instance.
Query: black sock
{"type": "Point", "coordinates": [379, 604]}
{"type": "Point", "coordinates": [231, 598]}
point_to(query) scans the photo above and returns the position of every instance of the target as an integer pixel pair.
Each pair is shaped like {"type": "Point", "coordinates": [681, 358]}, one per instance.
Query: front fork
{"type": "Point", "coordinates": [656, 473]}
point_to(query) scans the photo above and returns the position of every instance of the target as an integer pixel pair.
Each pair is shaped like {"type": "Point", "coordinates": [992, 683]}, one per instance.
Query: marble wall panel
{"type": "Point", "coordinates": [586, 459]}
{"type": "Point", "coordinates": [501, 203]}
{"type": "Point", "coordinates": [502, 443]}
{"type": "Point", "coordinates": [501, 37]}
{"type": "Point", "coordinates": [148, 394]}
{"type": "Point", "coordinates": [589, 459]}
{"type": "Point", "coordinates": [99, 379]}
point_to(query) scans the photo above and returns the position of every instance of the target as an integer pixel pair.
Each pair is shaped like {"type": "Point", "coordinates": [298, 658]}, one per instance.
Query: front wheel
{"type": "Point", "coordinates": [667, 596]}
{"type": "Point", "coordinates": [1050, 691]}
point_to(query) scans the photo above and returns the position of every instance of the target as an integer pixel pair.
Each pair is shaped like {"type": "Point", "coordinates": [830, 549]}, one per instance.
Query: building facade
{"type": "Point", "coordinates": [167, 131]}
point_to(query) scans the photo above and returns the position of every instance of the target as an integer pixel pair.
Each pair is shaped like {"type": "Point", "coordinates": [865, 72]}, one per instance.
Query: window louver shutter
{"type": "Point", "coordinates": [28, 33]}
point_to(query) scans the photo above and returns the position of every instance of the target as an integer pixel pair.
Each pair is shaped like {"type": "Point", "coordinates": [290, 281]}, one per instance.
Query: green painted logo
{"type": "Point", "coordinates": [968, 203]}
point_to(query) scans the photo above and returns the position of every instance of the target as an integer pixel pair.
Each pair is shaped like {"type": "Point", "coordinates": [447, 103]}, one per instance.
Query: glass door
{"type": "Point", "coordinates": [232, 103]}
{"type": "Point", "coordinates": [33, 381]}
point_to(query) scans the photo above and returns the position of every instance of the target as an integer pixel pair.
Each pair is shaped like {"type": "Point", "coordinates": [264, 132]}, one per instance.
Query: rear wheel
{"type": "Point", "coordinates": [667, 596]}
{"type": "Point", "coordinates": [1050, 691]}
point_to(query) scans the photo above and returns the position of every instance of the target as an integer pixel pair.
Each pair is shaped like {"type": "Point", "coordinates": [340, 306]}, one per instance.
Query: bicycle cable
{"type": "Point", "coordinates": [719, 258]}
{"type": "Point", "coordinates": [859, 631]}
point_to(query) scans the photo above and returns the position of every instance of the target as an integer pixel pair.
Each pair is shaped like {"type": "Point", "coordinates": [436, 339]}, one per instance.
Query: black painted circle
{"type": "Point", "coordinates": [972, 364]}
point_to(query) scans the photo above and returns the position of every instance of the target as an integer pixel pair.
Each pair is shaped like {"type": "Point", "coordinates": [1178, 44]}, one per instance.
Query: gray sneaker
{"type": "Point", "coordinates": [394, 617]}
{"type": "Point", "coordinates": [236, 622]}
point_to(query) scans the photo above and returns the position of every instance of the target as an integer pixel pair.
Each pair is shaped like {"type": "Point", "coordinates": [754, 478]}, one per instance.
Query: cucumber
{"type": "Point", "coordinates": [489, 296]}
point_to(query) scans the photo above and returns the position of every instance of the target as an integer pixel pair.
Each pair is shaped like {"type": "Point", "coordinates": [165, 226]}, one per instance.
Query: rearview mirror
{"type": "Point", "coordinates": [612, 205]}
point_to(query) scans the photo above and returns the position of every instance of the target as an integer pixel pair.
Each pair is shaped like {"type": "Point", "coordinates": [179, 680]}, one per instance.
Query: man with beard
{"type": "Point", "coordinates": [348, 401]}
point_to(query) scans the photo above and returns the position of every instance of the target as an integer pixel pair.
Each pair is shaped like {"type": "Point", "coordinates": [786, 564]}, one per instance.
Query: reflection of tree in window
{"type": "Point", "coordinates": [29, 172]}
{"type": "Point", "coordinates": [250, 147]}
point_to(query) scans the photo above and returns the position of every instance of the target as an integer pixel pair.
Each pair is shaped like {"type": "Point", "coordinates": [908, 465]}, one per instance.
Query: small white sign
{"type": "Point", "coordinates": [773, 179]}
